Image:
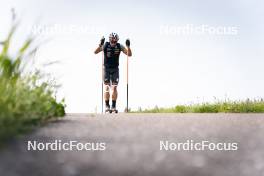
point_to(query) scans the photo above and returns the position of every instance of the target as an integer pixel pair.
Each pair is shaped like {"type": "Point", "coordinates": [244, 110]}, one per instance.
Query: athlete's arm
{"type": "Point", "coordinates": [127, 51]}
{"type": "Point", "coordinates": [99, 48]}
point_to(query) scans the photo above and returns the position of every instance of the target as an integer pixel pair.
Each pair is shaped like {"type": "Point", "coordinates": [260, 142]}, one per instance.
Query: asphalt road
{"type": "Point", "coordinates": [132, 146]}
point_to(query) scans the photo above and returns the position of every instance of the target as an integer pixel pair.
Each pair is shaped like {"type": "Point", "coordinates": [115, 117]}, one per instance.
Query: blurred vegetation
{"type": "Point", "coordinates": [247, 106]}
{"type": "Point", "coordinates": [25, 100]}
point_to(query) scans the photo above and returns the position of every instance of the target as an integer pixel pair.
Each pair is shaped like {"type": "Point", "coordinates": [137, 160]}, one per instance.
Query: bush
{"type": "Point", "coordinates": [25, 101]}
{"type": "Point", "coordinates": [181, 109]}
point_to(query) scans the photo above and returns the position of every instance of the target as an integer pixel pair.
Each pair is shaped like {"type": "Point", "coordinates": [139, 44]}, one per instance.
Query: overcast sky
{"type": "Point", "coordinates": [180, 53]}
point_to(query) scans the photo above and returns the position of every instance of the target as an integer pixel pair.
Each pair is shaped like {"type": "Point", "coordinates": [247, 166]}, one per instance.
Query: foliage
{"type": "Point", "coordinates": [247, 106]}
{"type": "Point", "coordinates": [25, 100]}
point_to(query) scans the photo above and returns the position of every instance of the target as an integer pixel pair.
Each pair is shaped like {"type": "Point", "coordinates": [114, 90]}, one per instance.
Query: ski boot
{"type": "Point", "coordinates": [114, 110]}
{"type": "Point", "coordinates": [108, 110]}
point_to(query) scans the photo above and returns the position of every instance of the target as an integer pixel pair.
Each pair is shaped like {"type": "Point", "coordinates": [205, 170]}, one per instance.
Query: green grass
{"type": "Point", "coordinates": [25, 100]}
{"type": "Point", "coordinates": [247, 106]}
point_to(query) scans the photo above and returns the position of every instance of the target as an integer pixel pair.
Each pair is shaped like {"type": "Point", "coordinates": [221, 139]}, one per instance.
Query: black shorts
{"type": "Point", "coordinates": [111, 75]}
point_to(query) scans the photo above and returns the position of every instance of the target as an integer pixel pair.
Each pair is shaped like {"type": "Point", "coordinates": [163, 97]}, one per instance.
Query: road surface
{"type": "Point", "coordinates": [132, 146]}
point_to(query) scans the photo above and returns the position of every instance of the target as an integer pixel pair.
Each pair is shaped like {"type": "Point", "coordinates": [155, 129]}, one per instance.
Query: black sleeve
{"type": "Point", "coordinates": [105, 45]}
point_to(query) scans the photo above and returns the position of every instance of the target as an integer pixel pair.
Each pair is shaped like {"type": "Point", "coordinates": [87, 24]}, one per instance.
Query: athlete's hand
{"type": "Point", "coordinates": [102, 41]}
{"type": "Point", "coordinates": [128, 43]}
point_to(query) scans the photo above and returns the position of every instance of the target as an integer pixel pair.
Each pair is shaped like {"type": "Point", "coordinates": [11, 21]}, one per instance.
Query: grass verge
{"type": "Point", "coordinates": [247, 106]}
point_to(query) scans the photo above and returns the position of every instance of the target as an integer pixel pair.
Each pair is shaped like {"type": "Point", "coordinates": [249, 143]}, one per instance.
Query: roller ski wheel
{"type": "Point", "coordinates": [115, 111]}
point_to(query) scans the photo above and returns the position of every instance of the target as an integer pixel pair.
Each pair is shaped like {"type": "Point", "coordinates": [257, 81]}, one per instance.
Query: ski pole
{"type": "Point", "coordinates": [127, 83]}
{"type": "Point", "coordinates": [102, 81]}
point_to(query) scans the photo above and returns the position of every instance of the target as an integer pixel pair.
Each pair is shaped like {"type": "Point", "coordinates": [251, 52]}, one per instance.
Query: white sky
{"type": "Point", "coordinates": [166, 69]}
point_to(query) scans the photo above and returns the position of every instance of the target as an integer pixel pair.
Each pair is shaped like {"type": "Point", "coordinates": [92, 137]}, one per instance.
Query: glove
{"type": "Point", "coordinates": [127, 42]}
{"type": "Point", "coordinates": [102, 41]}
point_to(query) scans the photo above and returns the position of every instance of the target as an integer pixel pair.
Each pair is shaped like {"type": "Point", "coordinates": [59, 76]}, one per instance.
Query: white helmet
{"type": "Point", "coordinates": [113, 38]}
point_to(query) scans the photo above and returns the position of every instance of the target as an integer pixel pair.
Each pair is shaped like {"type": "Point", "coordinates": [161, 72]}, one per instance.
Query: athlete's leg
{"type": "Point", "coordinates": [107, 94]}
{"type": "Point", "coordinates": [115, 80]}
{"type": "Point", "coordinates": [114, 92]}
{"type": "Point", "coordinates": [114, 96]}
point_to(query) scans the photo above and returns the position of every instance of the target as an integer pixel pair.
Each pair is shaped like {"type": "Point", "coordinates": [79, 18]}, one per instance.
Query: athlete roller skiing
{"type": "Point", "coordinates": [111, 51]}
